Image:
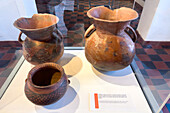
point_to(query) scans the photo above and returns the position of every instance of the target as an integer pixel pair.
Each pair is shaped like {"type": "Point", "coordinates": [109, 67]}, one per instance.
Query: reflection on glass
{"type": "Point", "coordinates": [73, 18]}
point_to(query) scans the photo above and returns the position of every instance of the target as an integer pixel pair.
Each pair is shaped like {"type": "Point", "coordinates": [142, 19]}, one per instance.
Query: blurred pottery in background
{"type": "Point", "coordinates": [47, 6]}
{"type": "Point", "coordinates": [109, 46]}
{"type": "Point", "coordinates": [46, 84]}
{"type": "Point", "coordinates": [44, 43]}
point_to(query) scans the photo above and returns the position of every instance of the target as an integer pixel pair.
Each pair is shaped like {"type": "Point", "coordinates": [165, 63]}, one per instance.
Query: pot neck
{"type": "Point", "coordinates": [115, 28]}
{"type": "Point", "coordinates": [43, 34]}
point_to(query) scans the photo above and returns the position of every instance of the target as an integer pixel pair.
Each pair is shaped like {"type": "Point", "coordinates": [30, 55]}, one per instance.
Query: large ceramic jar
{"type": "Point", "coordinates": [44, 42]}
{"type": "Point", "coordinates": [46, 84]}
{"type": "Point", "coordinates": [108, 45]}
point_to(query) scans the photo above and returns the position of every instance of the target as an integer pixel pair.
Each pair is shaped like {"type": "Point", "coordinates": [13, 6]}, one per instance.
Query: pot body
{"type": "Point", "coordinates": [108, 45]}
{"type": "Point", "coordinates": [41, 94]}
{"type": "Point", "coordinates": [38, 52]}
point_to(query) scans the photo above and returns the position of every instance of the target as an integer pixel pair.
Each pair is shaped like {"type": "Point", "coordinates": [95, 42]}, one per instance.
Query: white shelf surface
{"type": "Point", "coordinates": [85, 79]}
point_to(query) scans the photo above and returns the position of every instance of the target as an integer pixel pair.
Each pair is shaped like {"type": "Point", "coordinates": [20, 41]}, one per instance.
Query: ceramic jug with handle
{"type": "Point", "coordinates": [108, 45]}
{"type": "Point", "coordinates": [44, 42]}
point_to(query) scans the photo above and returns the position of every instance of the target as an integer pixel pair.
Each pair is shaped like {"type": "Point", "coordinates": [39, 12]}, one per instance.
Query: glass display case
{"type": "Point", "coordinates": [150, 65]}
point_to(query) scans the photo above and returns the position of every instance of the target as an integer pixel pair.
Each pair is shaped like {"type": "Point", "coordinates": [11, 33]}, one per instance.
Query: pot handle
{"type": "Point", "coordinates": [26, 80]}
{"type": "Point", "coordinates": [68, 81]}
{"type": "Point", "coordinates": [134, 33]}
{"type": "Point", "coordinates": [90, 30]}
{"type": "Point", "coordinates": [19, 38]}
{"type": "Point", "coordinates": [56, 31]}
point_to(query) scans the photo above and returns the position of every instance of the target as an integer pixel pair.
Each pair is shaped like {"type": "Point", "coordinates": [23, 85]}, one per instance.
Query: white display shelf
{"type": "Point", "coordinates": [85, 80]}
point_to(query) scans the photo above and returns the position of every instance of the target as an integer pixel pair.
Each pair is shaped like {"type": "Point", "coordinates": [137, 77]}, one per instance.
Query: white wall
{"type": "Point", "coordinates": [10, 10]}
{"type": "Point", "coordinates": [147, 16]}
{"type": "Point", "coordinates": [160, 27]}
{"type": "Point", "coordinates": [154, 24]}
{"type": "Point", "coordinates": [30, 7]}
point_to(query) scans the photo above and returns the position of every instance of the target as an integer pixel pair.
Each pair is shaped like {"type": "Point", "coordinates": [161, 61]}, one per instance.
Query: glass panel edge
{"type": "Point", "coordinates": [147, 92]}
{"type": "Point", "coordinates": [11, 76]}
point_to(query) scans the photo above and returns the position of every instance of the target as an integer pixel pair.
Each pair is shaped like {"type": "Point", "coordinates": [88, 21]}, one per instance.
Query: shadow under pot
{"type": "Point", "coordinates": [46, 84]}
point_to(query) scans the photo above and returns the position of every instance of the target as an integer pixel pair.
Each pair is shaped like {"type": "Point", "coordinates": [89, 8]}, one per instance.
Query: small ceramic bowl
{"type": "Point", "coordinates": [46, 84]}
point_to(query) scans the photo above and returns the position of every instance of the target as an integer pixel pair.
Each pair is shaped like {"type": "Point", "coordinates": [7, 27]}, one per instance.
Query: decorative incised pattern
{"type": "Point", "coordinates": [40, 52]}
{"type": "Point", "coordinates": [46, 99]}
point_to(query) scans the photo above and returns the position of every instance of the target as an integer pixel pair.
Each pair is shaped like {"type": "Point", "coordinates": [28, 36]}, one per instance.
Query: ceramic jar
{"type": "Point", "coordinates": [109, 46]}
{"type": "Point", "coordinates": [44, 42]}
{"type": "Point", "coordinates": [46, 84]}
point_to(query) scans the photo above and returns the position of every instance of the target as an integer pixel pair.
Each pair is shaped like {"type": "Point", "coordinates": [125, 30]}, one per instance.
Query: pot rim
{"type": "Point", "coordinates": [15, 23]}
{"type": "Point", "coordinates": [113, 21]}
{"type": "Point", "coordinates": [38, 67]}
